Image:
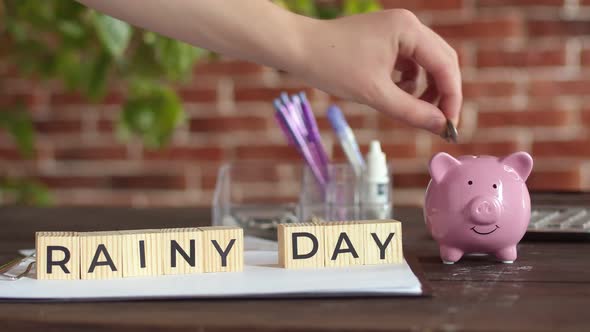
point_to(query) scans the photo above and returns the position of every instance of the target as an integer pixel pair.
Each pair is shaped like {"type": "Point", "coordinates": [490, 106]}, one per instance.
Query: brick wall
{"type": "Point", "coordinates": [526, 71]}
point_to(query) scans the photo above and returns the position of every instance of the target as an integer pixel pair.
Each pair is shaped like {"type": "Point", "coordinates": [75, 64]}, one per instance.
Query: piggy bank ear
{"type": "Point", "coordinates": [440, 164]}
{"type": "Point", "coordinates": [520, 162]}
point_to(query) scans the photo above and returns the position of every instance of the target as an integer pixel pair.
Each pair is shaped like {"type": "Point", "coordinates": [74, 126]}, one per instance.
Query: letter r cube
{"type": "Point", "coordinates": [301, 245]}
{"type": "Point", "coordinates": [58, 255]}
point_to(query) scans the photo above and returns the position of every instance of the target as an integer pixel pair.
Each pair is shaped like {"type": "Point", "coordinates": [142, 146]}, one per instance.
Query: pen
{"type": "Point", "coordinates": [346, 139]}
{"type": "Point", "coordinates": [313, 133]}
{"type": "Point", "coordinates": [288, 123]}
{"type": "Point", "coordinates": [294, 113]}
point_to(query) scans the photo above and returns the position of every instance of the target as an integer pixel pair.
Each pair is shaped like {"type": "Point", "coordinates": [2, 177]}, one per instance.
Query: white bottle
{"type": "Point", "coordinates": [375, 200]}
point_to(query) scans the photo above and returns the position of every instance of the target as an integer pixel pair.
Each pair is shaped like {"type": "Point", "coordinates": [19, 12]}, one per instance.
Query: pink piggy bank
{"type": "Point", "coordinates": [478, 204]}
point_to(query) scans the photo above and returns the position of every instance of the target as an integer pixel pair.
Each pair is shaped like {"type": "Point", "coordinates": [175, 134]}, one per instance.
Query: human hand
{"type": "Point", "coordinates": [355, 57]}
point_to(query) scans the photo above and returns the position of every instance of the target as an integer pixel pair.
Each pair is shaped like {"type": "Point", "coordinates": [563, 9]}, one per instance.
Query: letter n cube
{"type": "Point", "coordinates": [182, 250]}
{"type": "Point", "coordinates": [301, 245]}
{"type": "Point", "coordinates": [58, 255]}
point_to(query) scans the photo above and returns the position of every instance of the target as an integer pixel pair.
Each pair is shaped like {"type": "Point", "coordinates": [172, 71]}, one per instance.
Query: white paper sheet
{"type": "Point", "coordinates": [261, 278]}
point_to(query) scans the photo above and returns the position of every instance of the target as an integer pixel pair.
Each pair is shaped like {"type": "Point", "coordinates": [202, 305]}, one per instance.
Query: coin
{"type": "Point", "coordinates": [450, 135]}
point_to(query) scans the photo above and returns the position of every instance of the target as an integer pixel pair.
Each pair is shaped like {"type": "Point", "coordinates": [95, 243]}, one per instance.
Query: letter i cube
{"type": "Point", "coordinates": [142, 253]}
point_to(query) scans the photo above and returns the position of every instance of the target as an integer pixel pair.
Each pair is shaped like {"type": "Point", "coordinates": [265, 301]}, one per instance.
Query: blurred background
{"type": "Point", "coordinates": [95, 112]}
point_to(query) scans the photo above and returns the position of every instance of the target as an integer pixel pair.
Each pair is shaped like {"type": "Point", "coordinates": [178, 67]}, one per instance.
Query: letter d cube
{"type": "Point", "coordinates": [301, 245]}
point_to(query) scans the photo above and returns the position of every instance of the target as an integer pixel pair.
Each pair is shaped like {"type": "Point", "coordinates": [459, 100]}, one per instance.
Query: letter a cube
{"type": "Point", "coordinates": [101, 255]}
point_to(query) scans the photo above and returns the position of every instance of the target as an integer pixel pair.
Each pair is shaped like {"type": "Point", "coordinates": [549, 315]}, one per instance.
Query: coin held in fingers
{"type": "Point", "coordinates": [450, 134]}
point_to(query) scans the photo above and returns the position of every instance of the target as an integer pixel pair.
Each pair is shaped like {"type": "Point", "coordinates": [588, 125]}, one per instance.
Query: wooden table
{"type": "Point", "coordinates": [546, 289]}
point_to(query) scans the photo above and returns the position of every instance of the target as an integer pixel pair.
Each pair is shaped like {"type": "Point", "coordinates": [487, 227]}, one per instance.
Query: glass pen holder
{"type": "Point", "coordinates": [256, 196]}
{"type": "Point", "coordinates": [346, 196]}
{"type": "Point", "coordinates": [259, 196]}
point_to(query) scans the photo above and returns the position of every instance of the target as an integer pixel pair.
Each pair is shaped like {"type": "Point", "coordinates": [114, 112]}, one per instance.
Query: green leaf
{"type": "Point", "coordinates": [17, 31]}
{"type": "Point", "coordinates": [69, 9]}
{"type": "Point", "coordinates": [96, 77]}
{"type": "Point", "coordinates": [31, 57]}
{"type": "Point", "coordinates": [351, 7]}
{"type": "Point", "coordinates": [18, 123]}
{"type": "Point", "coordinates": [149, 37]}
{"type": "Point", "coordinates": [114, 34]}
{"type": "Point", "coordinates": [71, 29]}
{"type": "Point", "coordinates": [152, 112]}
{"type": "Point", "coordinates": [174, 57]}
{"type": "Point", "coordinates": [303, 7]}
{"type": "Point", "coordinates": [328, 12]}
{"type": "Point", "coordinates": [24, 192]}
{"type": "Point", "coordinates": [281, 3]}
{"type": "Point", "coordinates": [68, 65]}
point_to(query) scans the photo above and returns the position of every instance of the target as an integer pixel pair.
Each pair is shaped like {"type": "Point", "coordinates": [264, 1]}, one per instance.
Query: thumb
{"type": "Point", "coordinates": [409, 109]}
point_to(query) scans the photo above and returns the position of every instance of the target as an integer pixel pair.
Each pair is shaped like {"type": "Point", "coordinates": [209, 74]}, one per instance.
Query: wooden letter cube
{"type": "Point", "coordinates": [383, 242]}
{"type": "Point", "coordinates": [142, 253]}
{"type": "Point", "coordinates": [101, 255]}
{"type": "Point", "coordinates": [301, 245]}
{"type": "Point", "coordinates": [182, 250]}
{"type": "Point", "coordinates": [344, 244]}
{"type": "Point", "coordinates": [58, 255]}
{"type": "Point", "coordinates": [223, 248]}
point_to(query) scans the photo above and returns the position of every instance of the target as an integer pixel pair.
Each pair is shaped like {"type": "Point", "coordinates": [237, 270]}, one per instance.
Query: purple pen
{"type": "Point", "coordinates": [294, 112]}
{"type": "Point", "coordinates": [317, 151]}
{"type": "Point", "coordinates": [288, 123]}
{"type": "Point", "coordinates": [284, 128]}
{"type": "Point", "coordinates": [313, 132]}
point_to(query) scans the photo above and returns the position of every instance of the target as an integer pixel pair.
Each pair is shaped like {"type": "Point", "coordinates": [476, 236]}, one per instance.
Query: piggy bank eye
{"type": "Point", "coordinates": [495, 186]}
{"type": "Point", "coordinates": [470, 182]}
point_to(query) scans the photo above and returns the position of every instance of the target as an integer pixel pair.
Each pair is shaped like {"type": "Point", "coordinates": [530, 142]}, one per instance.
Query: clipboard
{"type": "Point", "coordinates": [261, 278]}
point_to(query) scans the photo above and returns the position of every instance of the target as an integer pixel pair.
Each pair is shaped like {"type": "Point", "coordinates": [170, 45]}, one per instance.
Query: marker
{"type": "Point", "coordinates": [313, 132]}
{"type": "Point", "coordinates": [294, 112]}
{"type": "Point", "coordinates": [346, 139]}
{"type": "Point", "coordinates": [291, 131]}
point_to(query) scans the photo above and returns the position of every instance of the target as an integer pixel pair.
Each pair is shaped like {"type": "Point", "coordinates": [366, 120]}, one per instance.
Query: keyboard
{"type": "Point", "coordinates": [572, 219]}
{"type": "Point", "coordinates": [562, 217]}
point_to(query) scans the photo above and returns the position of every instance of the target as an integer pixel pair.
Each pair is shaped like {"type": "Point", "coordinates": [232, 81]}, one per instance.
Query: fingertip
{"type": "Point", "coordinates": [451, 108]}
{"type": "Point", "coordinates": [456, 121]}
{"type": "Point", "coordinates": [415, 112]}
{"type": "Point", "coordinates": [438, 125]}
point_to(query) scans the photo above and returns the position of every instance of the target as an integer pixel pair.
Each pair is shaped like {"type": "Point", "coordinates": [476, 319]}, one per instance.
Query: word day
{"type": "Point", "coordinates": [122, 254]}
{"type": "Point", "coordinates": [334, 244]}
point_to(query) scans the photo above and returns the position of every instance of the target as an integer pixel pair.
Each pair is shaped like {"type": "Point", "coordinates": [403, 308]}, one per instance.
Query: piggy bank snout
{"type": "Point", "coordinates": [485, 210]}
